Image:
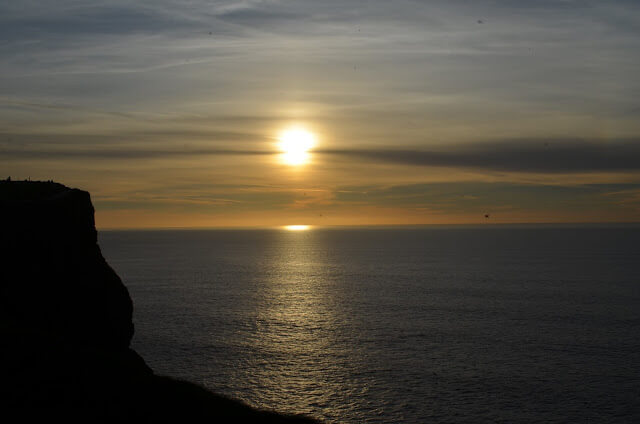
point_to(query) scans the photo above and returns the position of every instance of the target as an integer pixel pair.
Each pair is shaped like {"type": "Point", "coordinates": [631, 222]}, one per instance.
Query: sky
{"type": "Point", "coordinates": [170, 113]}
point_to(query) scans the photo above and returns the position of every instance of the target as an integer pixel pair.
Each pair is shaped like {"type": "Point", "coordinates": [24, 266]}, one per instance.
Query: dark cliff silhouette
{"type": "Point", "coordinates": [66, 324]}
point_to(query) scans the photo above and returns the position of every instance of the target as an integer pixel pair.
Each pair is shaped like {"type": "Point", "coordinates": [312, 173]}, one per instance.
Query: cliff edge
{"type": "Point", "coordinates": [66, 324]}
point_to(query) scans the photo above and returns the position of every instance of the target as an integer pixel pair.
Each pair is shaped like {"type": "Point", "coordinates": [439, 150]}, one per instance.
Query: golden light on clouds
{"type": "Point", "coordinates": [294, 143]}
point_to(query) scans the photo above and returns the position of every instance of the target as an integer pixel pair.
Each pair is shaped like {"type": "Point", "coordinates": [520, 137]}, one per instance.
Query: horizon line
{"type": "Point", "coordinates": [380, 226]}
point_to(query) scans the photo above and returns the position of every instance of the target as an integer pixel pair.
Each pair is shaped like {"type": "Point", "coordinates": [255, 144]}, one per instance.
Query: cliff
{"type": "Point", "coordinates": [66, 324]}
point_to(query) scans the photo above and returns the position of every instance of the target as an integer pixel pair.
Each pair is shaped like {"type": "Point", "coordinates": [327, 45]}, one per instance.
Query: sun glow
{"type": "Point", "coordinates": [297, 227]}
{"type": "Point", "coordinates": [295, 144]}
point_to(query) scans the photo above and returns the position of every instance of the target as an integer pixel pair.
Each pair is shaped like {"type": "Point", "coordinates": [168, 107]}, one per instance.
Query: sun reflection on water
{"type": "Point", "coordinates": [297, 227]}
{"type": "Point", "coordinates": [298, 329]}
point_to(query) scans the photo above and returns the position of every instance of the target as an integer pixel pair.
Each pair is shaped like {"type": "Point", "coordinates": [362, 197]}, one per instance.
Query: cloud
{"type": "Point", "coordinates": [543, 156]}
{"type": "Point", "coordinates": [122, 153]}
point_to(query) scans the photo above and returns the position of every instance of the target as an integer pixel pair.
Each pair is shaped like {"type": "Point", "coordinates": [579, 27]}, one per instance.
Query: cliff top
{"type": "Point", "coordinates": [30, 190]}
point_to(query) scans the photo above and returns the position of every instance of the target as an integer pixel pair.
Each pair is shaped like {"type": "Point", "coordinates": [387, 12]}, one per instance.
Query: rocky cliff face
{"type": "Point", "coordinates": [66, 324]}
{"type": "Point", "coordinates": [54, 278]}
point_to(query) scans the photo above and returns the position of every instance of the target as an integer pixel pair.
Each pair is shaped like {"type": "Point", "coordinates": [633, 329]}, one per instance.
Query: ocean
{"type": "Point", "coordinates": [395, 325]}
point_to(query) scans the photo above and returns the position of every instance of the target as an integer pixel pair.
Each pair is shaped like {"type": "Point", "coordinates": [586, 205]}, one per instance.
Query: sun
{"type": "Point", "coordinates": [295, 144]}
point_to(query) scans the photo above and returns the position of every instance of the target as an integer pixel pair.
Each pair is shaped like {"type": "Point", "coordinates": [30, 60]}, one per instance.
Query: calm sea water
{"type": "Point", "coordinates": [491, 324]}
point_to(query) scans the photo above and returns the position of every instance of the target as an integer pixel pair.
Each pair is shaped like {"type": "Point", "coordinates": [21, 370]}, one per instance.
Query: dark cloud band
{"type": "Point", "coordinates": [538, 156]}
{"type": "Point", "coordinates": [545, 156]}
{"type": "Point", "coordinates": [98, 154]}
